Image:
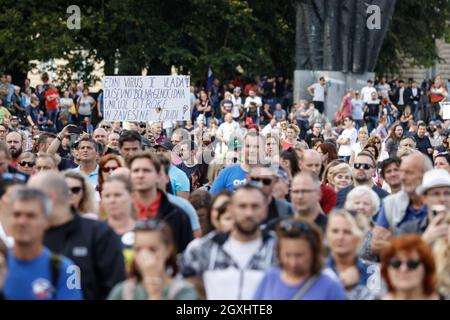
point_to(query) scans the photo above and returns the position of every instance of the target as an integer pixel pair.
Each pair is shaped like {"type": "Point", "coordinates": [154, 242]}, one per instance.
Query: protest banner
{"type": "Point", "coordinates": [146, 98]}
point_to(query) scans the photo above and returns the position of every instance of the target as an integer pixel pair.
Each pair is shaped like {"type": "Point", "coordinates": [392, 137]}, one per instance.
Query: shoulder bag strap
{"type": "Point", "coordinates": [301, 292]}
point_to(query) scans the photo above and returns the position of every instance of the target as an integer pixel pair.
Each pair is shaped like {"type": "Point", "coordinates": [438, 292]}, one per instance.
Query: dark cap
{"type": "Point", "coordinates": [444, 133]}
{"type": "Point", "coordinates": [166, 144]}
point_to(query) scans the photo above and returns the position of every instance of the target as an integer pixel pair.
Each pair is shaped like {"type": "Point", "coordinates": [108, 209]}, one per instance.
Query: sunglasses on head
{"type": "Point", "coordinates": [264, 181]}
{"type": "Point", "coordinates": [29, 164]}
{"type": "Point", "coordinates": [364, 166]}
{"type": "Point", "coordinates": [148, 225]}
{"type": "Point", "coordinates": [17, 177]}
{"type": "Point", "coordinates": [108, 169]}
{"type": "Point", "coordinates": [289, 225]}
{"type": "Point", "coordinates": [411, 264]}
{"type": "Point", "coordinates": [75, 190]}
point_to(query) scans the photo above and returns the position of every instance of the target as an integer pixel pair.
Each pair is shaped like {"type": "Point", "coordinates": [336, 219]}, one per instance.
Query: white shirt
{"type": "Point", "coordinates": [356, 148]}
{"type": "Point", "coordinates": [256, 100]}
{"type": "Point", "coordinates": [267, 129]}
{"type": "Point", "coordinates": [242, 252]}
{"type": "Point", "coordinates": [384, 89]}
{"type": "Point", "coordinates": [319, 92]}
{"type": "Point", "coordinates": [366, 93]}
{"type": "Point", "coordinates": [236, 101]}
{"type": "Point", "coordinates": [400, 96]}
{"type": "Point", "coordinates": [7, 240]}
{"type": "Point", "coordinates": [345, 150]}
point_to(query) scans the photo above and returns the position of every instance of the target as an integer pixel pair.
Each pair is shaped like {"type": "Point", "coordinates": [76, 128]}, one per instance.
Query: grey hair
{"type": "Point", "coordinates": [29, 194]}
{"type": "Point", "coordinates": [427, 164]}
{"type": "Point", "coordinates": [55, 182]}
{"type": "Point", "coordinates": [359, 191]}
{"type": "Point", "coordinates": [316, 181]}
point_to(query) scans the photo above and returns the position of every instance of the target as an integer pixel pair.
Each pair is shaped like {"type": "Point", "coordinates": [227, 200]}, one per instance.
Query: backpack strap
{"type": "Point", "coordinates": [55, 270]}
{"type": "Point", "coordinates": [301, 292]}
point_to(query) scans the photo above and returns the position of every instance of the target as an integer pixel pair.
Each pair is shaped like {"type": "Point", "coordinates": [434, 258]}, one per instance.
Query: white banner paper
{"type": "Point", "coordinates": [146, 98]}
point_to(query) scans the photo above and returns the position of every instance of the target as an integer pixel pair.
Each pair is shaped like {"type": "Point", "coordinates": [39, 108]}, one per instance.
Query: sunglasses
{"type": "Point", "coordinates": [289, 225]}
{"type": "Point", "coordinates": [108, 169]}
{"type": "Point", "coordinates": [106, 127]}
{"type": "Point", "coordinates": [143, 126]}
{"type": "Point", "coordinates": [148, 225]}
{"type": "Point", "coordinates": [75, 190]}
{"type": "Point", "coordinates": [411, 264]}
{"type": "Point", "coordinates": [365, 166]}
{"type": "Point", "coordinates": [264, 181]}
{"type": "Point", "coordinates": [29, 164]}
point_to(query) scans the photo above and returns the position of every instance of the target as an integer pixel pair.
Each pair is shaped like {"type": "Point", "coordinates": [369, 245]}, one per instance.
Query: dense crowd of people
{"type": "Point", "coordinates": [256, 196]}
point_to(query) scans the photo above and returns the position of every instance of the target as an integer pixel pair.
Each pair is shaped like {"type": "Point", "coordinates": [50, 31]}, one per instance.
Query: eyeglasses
{"type": "Point", "coordinates": [75, 190]}
{"type": "Point", "coordinates": [108, 169]}
{"type": "Point", "coordinates": [304, 191]}
{"type": "Point", "coordinates": [289, 225]}
{"type": "Point", "coordinates": [411, 264]}
{"type": "Point", "coordinates": [265, 181]}
{"type": "Point", "coordinates": [364, 166]}
{"type": "Point", "coordinates": [29, 164]}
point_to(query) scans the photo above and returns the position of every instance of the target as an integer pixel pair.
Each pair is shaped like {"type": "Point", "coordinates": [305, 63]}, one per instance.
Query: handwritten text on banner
{"type": "Point", "coordinates": [146, 98]}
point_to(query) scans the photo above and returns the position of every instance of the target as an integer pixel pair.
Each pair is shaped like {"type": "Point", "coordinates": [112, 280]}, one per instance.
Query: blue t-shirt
{"type": "Point", "coordinates": [178, 180]}
{"type": "Point", "coordinates": [411, 214]}
{"type": "Point", "coordinates": [229, 178]}
{"type": "Point", "coordinates": [188, 208]}
{"type": "Point", "coordinates": [324, 288]}
{"type": "Point", "coordinates": [32, 280]}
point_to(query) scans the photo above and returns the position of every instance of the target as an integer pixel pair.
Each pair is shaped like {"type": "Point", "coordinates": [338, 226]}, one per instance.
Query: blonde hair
{"type": "Point", "coordinates": [335, 170]}
{"type": "Point", "coordinates": [357, 225]}
{"type": "Point", "coordinates": [441, 252]}
{"type": "Point", "coordinates": [87, 202]}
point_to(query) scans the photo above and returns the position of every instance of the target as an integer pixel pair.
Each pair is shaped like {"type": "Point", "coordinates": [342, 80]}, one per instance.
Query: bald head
{"type": "Point", "coordinates": [311, 162]}
{"type": "Point", "coordinates": [418, 160]}
{"type": "Point", "coordinates": [53, 184]}
{"type": "Point", "coordinates": [14, 143]}
{"type": "Point", "coordinates": [100, 135]}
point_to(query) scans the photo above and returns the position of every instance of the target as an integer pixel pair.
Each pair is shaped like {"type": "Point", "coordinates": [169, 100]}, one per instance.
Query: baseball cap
{"type": "Point", "coordinates": [166, 144]}
{"type": "Point", "coordinates": [444, 133]}
{"type": "Point", "coordinates": [14, 118]}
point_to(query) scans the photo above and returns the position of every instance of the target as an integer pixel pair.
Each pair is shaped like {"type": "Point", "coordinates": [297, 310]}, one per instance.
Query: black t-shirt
{"type": "Point", "coordinates": [422, 144]}
{"type": "Point", "coordinates": [268, 90]}
{"type": "Point", "coordinates": [311, 136]}
{"type": "Point", "coordinates": [373, 109]}
{"type": "Point", "coordinates": [321, 221]}
{"type": "Point", "coordinates": [227, 105]}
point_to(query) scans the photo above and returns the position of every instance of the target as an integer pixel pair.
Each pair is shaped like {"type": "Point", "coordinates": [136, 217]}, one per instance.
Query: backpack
{"type": "Point", "coordinates": [55, 270]}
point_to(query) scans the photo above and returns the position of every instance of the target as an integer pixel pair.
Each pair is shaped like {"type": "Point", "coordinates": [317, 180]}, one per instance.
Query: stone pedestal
{"type": "Point", "coordinates": [337, 83]}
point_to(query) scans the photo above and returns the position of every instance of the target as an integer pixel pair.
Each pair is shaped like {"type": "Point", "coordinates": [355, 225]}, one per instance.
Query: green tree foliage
{"type": "Point", "coordinates": [414, 29]}
{"type": "Point", "coordinates": [258, 35]}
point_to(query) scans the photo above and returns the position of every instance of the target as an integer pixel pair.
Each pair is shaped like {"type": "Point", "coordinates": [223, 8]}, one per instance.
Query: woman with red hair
{"type": "Point", "coordinates": [407, 266]}
{"type": "Point", "coordinates": [106, 166]}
